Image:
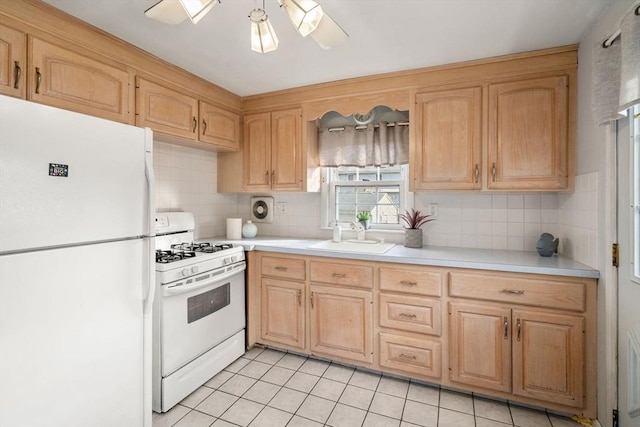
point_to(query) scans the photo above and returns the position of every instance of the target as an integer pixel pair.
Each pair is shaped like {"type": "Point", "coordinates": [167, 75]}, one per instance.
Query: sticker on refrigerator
{"type": "Point", "coordinates": [57, 169]}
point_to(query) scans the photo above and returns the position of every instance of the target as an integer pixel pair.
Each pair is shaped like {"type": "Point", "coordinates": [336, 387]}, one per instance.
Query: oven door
{"type": "Point", "coordinates": [200, 314]}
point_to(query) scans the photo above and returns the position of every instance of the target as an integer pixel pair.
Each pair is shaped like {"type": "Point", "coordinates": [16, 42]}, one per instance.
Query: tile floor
{"type": "Point", "coordinates": [270, 388]}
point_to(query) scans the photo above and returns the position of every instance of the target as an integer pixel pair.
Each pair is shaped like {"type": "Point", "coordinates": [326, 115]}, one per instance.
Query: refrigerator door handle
{"type": "Point", "coordinates": [151, 180]}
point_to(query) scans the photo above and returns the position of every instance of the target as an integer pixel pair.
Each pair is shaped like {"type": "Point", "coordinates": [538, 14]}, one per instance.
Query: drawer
{"type": "Point", "coordinates": [422, 282]}
{"type": "Point", "coordinates": [421, 357]}
{"type": "Point", "coordinates": [526, 290]}
{"type": "Point", "coordinates": [358, 276]}
{"type": "Point", "coordinates": [285, 268]}
{"type": "Point", "coordinates": [412, 314]}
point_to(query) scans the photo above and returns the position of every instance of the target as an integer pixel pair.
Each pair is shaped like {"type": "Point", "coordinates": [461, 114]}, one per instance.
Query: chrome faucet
{"type": "Point", "coordinates": [359, 229]}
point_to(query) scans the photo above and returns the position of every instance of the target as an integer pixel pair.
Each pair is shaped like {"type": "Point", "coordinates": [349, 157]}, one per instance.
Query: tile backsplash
{"type": "Point", "coordinates": [186, 180]}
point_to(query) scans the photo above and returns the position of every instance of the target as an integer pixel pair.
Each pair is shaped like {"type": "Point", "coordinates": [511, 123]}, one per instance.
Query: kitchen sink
{"type": "Point", "coordinates": [354, 246]}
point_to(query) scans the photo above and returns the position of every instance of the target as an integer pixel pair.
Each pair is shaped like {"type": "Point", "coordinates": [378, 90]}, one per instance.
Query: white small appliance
{"type": "Point", "coordinates": [199, 314]}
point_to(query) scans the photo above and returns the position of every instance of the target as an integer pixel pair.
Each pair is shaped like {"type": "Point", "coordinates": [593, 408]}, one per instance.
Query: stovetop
{"type": "Point", "coordinates": [181, 251]}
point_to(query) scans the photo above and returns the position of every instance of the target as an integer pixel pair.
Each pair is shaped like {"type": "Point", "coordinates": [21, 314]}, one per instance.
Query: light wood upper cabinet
{"type": "Point", "coordinates": [219, 126]}
{"type": "Point", "coordinates": [527, 134]}
{"type": "Point", "coordinates": [257, 151]}
{"type": "Point", "coordinates": [66, 79]}
{"type": "Point", "coordinates": [448, 127]}
{"type": "Point", "coordinates": [341, 322]}
{"type": "Point", "coordinates": [273, 151]}
{"type": "Point", "coordinates": [548, 357]}
{"type": "Point", "coordinates": [166, 110]}
{"type": "Point", "coordinates": [13, 62]}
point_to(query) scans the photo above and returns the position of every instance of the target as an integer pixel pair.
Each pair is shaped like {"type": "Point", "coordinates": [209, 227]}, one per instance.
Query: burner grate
{"type": "Point", "coordinates": [201, 247]}
{"type": "Point", "coordinates": [166, 257]}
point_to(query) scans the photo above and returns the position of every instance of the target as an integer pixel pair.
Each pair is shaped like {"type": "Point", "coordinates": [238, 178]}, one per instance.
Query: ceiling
{"type": "Point", "coordinates": [385, 36]}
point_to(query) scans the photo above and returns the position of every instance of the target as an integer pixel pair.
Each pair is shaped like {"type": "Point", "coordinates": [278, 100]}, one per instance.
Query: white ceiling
{"type": "Point", "coordinates": [385, 36]}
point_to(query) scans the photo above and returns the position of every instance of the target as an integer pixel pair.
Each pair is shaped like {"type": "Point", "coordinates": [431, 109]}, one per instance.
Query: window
{"type": "Point", "coordinates": [379, 190]}
{"type": "Point", "coordinates": [635, 196]}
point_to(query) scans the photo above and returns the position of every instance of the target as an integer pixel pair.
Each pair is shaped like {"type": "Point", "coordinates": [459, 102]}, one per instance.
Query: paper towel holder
{"type": "Point", "coordinates": [262, 209]}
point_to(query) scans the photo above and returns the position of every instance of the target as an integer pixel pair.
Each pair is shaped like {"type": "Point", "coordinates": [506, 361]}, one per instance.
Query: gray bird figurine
{"type": "Point", "coordinates": [546, 245]}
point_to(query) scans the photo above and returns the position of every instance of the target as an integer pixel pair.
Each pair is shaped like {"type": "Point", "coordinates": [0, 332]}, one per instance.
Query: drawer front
{"type": "Point", "coordinates": [358, 276]}
{"type": "Point", "coordinates": [285, 268]}
{"type": "Point", "coordinates": [415, 356]}
{"type": "Point", "coordinates": [411, 281]}
{"type": "Point", "coordinates": [541, 292]}
{"type": "Point", "coordinates": [413, 314]}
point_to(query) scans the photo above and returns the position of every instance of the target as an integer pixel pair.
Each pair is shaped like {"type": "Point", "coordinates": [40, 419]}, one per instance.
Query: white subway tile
{"type": "Point", "coordinates": [500, 215]}
{"type": "Point", "coordinates": [499, 201]}
{"type": "Point", "coordinates": [515, 215]}
{"type": "Point", "coordinates": [532, 201]}
{"type": "Point", "coordinates": [515, 201]}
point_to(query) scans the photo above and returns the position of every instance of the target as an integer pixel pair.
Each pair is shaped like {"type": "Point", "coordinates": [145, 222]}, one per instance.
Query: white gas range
{"type": "Point", "coordinates": [199, 313]}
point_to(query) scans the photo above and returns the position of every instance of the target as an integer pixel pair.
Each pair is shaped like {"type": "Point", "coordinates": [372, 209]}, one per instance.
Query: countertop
{"type": "Point", "coordinates": [482, 259]}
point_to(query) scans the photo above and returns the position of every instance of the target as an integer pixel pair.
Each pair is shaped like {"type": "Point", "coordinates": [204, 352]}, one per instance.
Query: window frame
{"type": "Point", "coordinates": [328, 190]}
{"type": "Point", "coordinates": [635, 193]}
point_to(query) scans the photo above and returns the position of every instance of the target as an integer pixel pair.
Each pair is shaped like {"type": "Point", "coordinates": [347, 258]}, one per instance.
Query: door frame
{"type": "Point", "coordinates": [609, 276]}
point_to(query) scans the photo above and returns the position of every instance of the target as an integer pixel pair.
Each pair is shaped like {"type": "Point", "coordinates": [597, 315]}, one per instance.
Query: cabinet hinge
{"type": "Point", "coordinates": [615, 418]}
{"type": "Point", "coordinates": [615, 255]}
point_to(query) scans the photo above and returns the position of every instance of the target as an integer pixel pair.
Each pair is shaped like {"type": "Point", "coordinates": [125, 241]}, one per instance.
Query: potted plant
{"type": "Point", "coordinates": [412, 232]}
{"type": "Point", "coordinates": [363, 218]}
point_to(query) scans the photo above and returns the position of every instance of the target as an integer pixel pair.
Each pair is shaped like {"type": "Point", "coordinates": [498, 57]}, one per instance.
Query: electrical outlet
{"type": "Point", "coordinates": [432, 209]}
{"type": "Point", "coordinates": [281, 207]}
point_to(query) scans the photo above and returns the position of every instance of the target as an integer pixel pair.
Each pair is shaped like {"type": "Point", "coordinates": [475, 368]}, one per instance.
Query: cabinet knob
{"type": "Point", "coordinates": [493, 172]}
{"type": "Point", "coordinates": [195, 123]}
{"type": "Point", "coordinates": [505, 326]}
{"type": "Point", "coordinates": [476, 173]}
{"type": "Point", "coordinates": [408, 283]}
{"type": "Point", "coordinates": [204, 126]}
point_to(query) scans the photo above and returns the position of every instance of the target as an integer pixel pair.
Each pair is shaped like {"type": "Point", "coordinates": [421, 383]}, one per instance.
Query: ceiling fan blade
{"type": "Point", "coordinates": [167, 11]}
{"type": "Point", "coordinates": [328, 33]}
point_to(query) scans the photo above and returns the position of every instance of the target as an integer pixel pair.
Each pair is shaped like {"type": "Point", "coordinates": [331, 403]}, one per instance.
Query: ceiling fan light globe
{"type": "Point", "coordinates": [197, 9]}
{"type": "Point", "coordinates": [305, 15]}
{"type": "Point", "coordinates": [167, 11]}
{"type": "Point", "coordinates": [263, 37]}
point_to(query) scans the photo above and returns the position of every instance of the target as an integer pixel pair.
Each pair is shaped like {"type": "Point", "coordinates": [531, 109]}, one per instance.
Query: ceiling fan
{"type": "Point", "coordinates": [307, 17]}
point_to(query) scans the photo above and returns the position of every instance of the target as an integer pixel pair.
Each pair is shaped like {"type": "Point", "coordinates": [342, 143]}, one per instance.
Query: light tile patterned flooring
{"type": "Point", "coordinates": [270, 388]}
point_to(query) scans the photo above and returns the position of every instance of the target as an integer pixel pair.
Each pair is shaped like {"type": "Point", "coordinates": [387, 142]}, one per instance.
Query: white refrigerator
{"type": "Point", "coordinates": [77, 268]}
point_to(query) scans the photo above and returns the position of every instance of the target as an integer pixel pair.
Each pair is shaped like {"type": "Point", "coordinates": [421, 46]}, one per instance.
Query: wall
{"type": "Point", "coordinates": [186, 180]}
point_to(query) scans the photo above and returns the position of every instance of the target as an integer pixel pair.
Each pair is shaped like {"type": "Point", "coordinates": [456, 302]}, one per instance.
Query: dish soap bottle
{"type": "Point", "coordinates": [337, 233]}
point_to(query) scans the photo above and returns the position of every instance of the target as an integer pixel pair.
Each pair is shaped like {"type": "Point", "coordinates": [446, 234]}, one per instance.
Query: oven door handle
{"type": "Point", "coordinates": [177, 290]}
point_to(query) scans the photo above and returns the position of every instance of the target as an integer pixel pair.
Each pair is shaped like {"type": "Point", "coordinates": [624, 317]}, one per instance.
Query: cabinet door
{"type": "Point", "coordinates": [13, 62]}
{"type": "Point", "coordinates": [548, 357]}
{"type": "Point", "coordinates": [480, 345]}
{"type": "Point", "coordinates": [341, 322]}
{"type": "Point", "coordinates": [283, 312]}
{"type": "Point", "coordinates": [448, 140]}
{"type": "Point", "coordinates": [166, 110]}
{"type": "Point", "coordinates": [72, 81]}
{"type": "Point", "coordinates": [527, 142]}
{"type": "Point", "coordinates": [257, 152]}
{"type": "Point", "coordinates": [219, 127]}
{"type": "Point", "coordinates": [286, 150]}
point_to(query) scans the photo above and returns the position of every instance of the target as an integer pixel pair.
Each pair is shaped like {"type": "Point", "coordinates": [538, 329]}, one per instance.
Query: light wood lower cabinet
{"type": "Point", "coordinates": [480, 345]}
{"type": "Point", "coordinates": [528, 338]}
{"type": "Point", "coordinates": [341, 323]}
{"type": "Point", "coordinates": [527, 353]}
{"type": "Point", "coordinates": [548, 357]}
{"type": "Point", "coordinates": [283, 313]}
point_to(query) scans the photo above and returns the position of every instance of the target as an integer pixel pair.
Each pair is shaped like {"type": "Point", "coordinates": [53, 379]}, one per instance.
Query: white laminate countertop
{"type": "Point", "coordinates": [483, 259]}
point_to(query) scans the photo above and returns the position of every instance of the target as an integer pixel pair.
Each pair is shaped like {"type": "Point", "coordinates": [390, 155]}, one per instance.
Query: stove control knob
{"type": "Point", "coordinates": [226, 261]}
{"type": "Point", "coordinates": [195, 269]}
{"type": "Point", "coordinates": [234, 258]}
{"type": "Point", "coordinates": [185, 272]}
